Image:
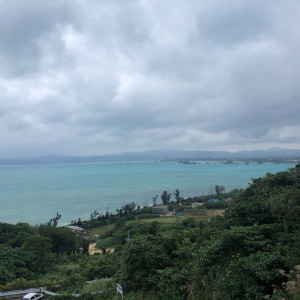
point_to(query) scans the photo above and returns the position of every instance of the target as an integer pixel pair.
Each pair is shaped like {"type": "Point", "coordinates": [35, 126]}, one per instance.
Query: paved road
{"type": "Point", "coordinates": [18, 298]}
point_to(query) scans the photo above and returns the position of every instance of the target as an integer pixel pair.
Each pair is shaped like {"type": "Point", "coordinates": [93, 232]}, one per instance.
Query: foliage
{"type": "Point", "coordinates": [252, 205]}
{"type": "Point", "coordinates": [178, 199]}
{"type": "Point", "coordinates": [101, 266]}
{"type": "Point", "coordinates": [16, 263]}
{"type": "Point", "coordinates": [285, 207]}
{"type": "Point", "coordinates": [154, 200]}
{"type": "Point", "coordinates": [165, 197]}
{"type": "Point", "coordinates": [21, 284]}
{"type": "Point", "coordinates": [216, 205]}
{"type": "Point", "coordinates": [99, 285]}
{"type": "Point", "coordinates": [73, 281]}
{"type": "Point", "coordinates": [219, 189]}
{"type": "Point", "coordinates": [126, 209]}
{"type": "Point", "coordinates": [141, 258]}
{"type": "Point", "coordinates": [15, 235]}
{"type": "Point", "coordinates": [63, 239]}
{"type": "Point", "coordinates": [171, 283]}
{"type": "Point", "coordinates": [251, 277]}
{"type": "Point", "coordinates": [54, 221]}
{"type": "Point", "coordinates": [41, 246]}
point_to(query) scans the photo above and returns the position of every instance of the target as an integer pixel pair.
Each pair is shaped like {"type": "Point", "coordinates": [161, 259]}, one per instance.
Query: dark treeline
{"type": "Point", "coordinates": [252, 252]}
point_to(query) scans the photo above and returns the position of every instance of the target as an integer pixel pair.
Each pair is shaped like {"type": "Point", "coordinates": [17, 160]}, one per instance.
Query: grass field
{"type": "Point", "coordinates": [99, 230]}
{"type": "Point", "coordinates": [198, 215]}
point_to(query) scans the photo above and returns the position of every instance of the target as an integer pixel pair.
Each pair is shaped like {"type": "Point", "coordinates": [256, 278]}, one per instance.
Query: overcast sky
{"type": "Point", "coordinates": [104, 76]}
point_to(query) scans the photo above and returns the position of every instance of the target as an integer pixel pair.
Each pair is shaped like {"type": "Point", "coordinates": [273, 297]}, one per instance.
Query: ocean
{"type": "Point", "coordinates": [34, 193]}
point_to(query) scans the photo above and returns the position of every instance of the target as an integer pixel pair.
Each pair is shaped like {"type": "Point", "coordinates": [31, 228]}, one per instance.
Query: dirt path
{"type": "Point", "coordinates": [93, 250]}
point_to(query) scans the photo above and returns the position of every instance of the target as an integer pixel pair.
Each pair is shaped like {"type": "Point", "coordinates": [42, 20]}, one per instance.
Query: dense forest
{"type": "Point", "coordinates": [250, 252]}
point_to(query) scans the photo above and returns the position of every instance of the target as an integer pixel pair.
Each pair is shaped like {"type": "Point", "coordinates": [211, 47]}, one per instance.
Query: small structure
{"type": "Point", "coordinates": [127, 239]}
{"type": "Point", "coordinates": [161, 209]}
{"type": "Point", "coordinates": [212, 200]}
{"type": "Point", "coordinates": [179, 215]}
{"type": "Point", "coordinates": [227, 199]}
{"type": "Point", "coordinates": [196, 204]}
{"type": "Point", "coordinates": [76, 229]}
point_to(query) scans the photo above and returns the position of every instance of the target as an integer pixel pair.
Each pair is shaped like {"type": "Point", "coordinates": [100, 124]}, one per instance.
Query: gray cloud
{"type": "Point", "coordinates": [99, 76]}
{"type": "Point", "coordinates": [23, 26]}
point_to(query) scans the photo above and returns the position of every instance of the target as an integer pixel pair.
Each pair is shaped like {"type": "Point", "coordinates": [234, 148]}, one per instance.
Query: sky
{"type": "Point", "coordinates": [96, 77]}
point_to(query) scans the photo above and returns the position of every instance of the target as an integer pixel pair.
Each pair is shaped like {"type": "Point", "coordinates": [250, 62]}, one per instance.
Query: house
{"type": "Point", "coordinates": [160, 209]}
{"type": "Point", "coordinates": [76, 229]}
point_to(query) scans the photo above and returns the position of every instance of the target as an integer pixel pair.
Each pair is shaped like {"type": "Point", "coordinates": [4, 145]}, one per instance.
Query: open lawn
{"type": "Point", "coordinates": [198, 215]}
{"type": "Point", "coordinates": [99, 230]}
{"type": "Point", "coordinates": [215, 212]}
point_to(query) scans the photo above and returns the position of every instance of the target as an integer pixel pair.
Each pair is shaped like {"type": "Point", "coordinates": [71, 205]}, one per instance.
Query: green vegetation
{"type": "Point", "coordinates": [29, 252]}
{"type": "Point", "coordinates": [250, 252]}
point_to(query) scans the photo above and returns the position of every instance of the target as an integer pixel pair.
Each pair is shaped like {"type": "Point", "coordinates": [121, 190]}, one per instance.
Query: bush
{"type": "Point", "coordinates": [21, 283]}
{"type": "Point", "coordinates": [216, 205]}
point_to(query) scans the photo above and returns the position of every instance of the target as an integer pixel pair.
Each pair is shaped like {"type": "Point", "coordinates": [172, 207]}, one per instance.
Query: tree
{"type": "Point", "coordinates": [40, 246]}
{"type": "Point", "coordinates": [101, 267]}
{"type": "Point", "coordinates": [252, 277]}
{"type": "Point", "coordinates": [220, 189]}
{"type": "Point", "coordinates": [217, 189]}
{"type": "Point", "coordinates": [94, 215]}
{"type": "Point", "coordinates": [79, 222]}
{"type": "Point", "coordinates": [128, 208]}
{"type": "Point", "coordinates": [286, 207]}
{"type": "Point", "coordinates": [63, 239]}
{"type": "Point", "coordinates": [141, 257]}
{"type": "Point", "coordinates": [261, 202]}
{"type": "Point", "coordinates": [16, 263]}
{"type": "Point", "coordinates": [177, 196]}
{"type": "Point", "coordinates": [165, 197]}
{"type": "Point", "coordinates": [171, 283]}
{"type": "Point", "coordinates": [54, 221]}
{"type": "Point", "coordinates": [242, 260]}
{"type": "Point", "coordinates": [154, 200]}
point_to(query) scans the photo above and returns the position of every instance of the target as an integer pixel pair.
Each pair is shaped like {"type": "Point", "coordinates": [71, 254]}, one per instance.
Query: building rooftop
{"type": "Point", "coordinates": [77, 228]}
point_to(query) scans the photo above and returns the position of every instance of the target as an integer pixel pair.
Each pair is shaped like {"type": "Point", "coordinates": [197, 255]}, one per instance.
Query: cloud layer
{"type": "Point", "coordinates": [93, 77]}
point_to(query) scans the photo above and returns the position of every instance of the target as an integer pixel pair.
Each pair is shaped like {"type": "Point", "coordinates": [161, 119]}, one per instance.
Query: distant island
{"type": "Point", "coordinates": [187, 162]}
{"type": "Point", "coordinates": [273, 155]}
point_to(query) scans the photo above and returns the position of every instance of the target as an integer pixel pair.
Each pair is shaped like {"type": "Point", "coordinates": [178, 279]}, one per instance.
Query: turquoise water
{"type": "Point", "coordinates": [34, 194]}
